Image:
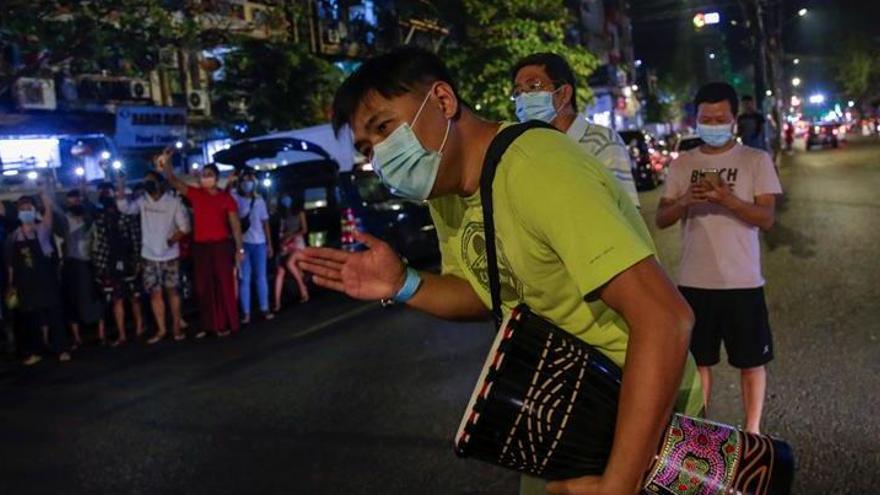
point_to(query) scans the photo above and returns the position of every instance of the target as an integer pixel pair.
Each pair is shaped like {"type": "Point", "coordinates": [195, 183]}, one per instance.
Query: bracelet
{"type": "Point", "coordinates": [410, 286]}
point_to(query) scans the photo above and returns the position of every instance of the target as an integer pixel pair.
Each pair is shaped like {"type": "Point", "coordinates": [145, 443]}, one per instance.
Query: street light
{"type": "Point", "coordinates": [635, 87]}
{"type": "Point", "coordinates": [796, 61]}
{"type": "Point", "coordinates": [817, 99]}
{"type": "Point", "coordinates": [796, 81]}
{"type": "Point", "coordinates": [712, 56]}
{"type": "Point", "coordinates": [802, 12]}
{"type": "Point", "coordinates": [850, 103]}
{"type": "Point", "coordinates": [768, 93]}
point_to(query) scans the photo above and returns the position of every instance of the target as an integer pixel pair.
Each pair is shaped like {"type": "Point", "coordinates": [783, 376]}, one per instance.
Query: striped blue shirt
{"type": "Point", "coordinates": [606, 145]}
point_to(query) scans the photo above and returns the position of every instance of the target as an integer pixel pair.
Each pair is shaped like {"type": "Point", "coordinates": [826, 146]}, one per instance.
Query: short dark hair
{"type": "Point", "coordinates": [392, 74]}
{"type": "Point", "coordinates": [555, 66]}
{"type": "Point", "coordinates": [25, 200]}
{"type": "Point", "coordinates": [747, 98]}
{"type": "Point", "coordinates": [152, 174]}
{"type": "Point", "coordinates": [715, 92]}
{"type": "Point", "coordinates": [247, 172]}
{"type": "Point", "coordinates": [212, 167]}
{"type": "Point", "coordinates": [73, 193]}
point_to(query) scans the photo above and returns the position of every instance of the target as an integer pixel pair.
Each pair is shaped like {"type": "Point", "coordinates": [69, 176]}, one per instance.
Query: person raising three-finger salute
{"type": "Point", "coordinates": [569, 243]}
{"type": "Point", "coordinates": [216, 227]}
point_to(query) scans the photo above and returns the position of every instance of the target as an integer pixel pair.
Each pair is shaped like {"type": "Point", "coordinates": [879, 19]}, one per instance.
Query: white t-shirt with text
{"type": "Point", "coordinates": [720, 251]}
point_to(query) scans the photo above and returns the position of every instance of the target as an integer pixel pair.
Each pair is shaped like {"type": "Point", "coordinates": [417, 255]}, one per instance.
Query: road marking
{"type": "Point", "coordinates": [336, 319]}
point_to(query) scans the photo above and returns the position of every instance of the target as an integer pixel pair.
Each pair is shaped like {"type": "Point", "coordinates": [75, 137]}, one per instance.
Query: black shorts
{"type": "Point", "coordinates": [736, 316]}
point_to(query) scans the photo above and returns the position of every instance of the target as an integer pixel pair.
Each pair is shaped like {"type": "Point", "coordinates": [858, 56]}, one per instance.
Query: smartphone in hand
{"type": "Point", "coordinates": [711, 175]}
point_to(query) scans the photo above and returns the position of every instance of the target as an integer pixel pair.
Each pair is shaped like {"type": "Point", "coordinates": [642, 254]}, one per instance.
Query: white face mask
{"type": "Point", "coordinates": [404, 164]}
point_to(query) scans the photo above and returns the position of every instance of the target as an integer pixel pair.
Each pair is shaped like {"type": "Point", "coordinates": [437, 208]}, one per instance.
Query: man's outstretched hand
{"type": "Point", "coordinates": [373, 274]}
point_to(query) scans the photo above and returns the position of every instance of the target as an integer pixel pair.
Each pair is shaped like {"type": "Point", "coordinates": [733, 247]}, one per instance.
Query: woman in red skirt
{"type": "Point", "coordinates": [217, 247]}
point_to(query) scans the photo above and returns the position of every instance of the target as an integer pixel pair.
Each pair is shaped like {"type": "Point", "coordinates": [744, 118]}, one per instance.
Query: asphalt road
{"type": "Point", "coordinates": [338, 396]}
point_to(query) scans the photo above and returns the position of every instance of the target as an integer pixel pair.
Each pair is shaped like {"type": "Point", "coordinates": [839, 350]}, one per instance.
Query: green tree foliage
{"type": "Point", "coordinates": [274, 85]}
{"type": "Point", "coordinates": [857, 68]}
{"type": "Point", "coordinates": [119, 36]}
{"type": "Point", "coordinates": [493, 34]}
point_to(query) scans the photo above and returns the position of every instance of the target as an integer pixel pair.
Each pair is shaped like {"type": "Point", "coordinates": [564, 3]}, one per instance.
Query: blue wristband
{"type": "Point", "coordinates": [410, 286]}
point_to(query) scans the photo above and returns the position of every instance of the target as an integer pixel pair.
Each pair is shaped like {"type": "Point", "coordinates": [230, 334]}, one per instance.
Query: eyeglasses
{"type": "Point", "coordinates": [532, 86]}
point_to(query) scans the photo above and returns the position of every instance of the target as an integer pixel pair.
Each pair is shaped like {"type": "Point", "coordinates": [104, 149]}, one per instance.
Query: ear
{"type": "Point", "coordinates": [447, 99]}
{"type": "Point", "coordinates": [565, 94]}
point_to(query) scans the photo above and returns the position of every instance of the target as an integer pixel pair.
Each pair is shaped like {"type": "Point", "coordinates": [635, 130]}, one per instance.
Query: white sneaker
{"type": "Point", "coordinates": [31, 360]}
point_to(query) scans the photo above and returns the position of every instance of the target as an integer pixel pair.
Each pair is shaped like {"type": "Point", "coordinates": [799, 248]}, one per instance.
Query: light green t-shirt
{"type": "Point", "coordinates": [564, 228]}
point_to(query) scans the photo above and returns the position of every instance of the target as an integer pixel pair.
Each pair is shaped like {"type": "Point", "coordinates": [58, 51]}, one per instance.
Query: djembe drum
{"type": "Point", "coordinates": [546, 405]}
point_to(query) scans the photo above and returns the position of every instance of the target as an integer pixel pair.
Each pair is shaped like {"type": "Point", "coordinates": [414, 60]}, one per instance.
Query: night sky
{"type": "Point", "coordinates": [664, 34]}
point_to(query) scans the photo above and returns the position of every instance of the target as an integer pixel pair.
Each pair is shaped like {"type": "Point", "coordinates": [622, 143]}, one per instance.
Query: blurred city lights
{"type": "Point", "coordinates": [796, 81]}
{"type": "Point", "coordinates": [32, 175]}
{"type": "Point", "coordinates": [635, 87]}
{"type": "Point", "coordinates": [79, 171]}
{"type": "Point", "coordinates": [267, 182]}
{"type": "Point", "coordinates": [105, 155]}
{"type": "Point", "coordinates": [817, 99]}
{"type": "Point", "coordinates": [117, 164]}
{"type": "Point", "coordinates": [712, 56]}
{"type": "Point", "coordinates": [802, 12]}
{"type": "Point", "coordinates": [178, 144]}
{"type": "Point", "coordinates": [850, 103]}
{"type": "Point", "coordinates": [768, 93]}
{"type": "Point", "coordinates": [707, 18]}
{"type": "Point", "coordinates": [796, 61]}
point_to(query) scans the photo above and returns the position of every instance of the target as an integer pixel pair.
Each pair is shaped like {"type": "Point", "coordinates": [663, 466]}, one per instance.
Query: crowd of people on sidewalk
{"type": "Point", "coordinates": [71, 265]}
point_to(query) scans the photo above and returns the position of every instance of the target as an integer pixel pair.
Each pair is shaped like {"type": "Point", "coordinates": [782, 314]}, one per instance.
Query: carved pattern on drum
{"type": "Point", "coordinates": [698, 458]}
{"type": "Point", "coordinates": [545, 409]}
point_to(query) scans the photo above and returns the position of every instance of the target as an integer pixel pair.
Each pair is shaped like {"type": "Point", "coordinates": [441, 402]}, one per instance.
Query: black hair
{"type": "Point", "coordinates": [152, 174]}
{"type": "Point", "coordinates": [392, 74]}
{"type": "Point", "coordinates": [25, 200]}
{"type": "Point", "coordinates": [212, 167]}
{"type": "Point", "coordinates": [247, 171]}
{"type": "Point", "coordinates": [104, 186]}
{"type": "Point", "coordinates": [715, 92]}
{"type": "Point", "coordinates": [557, 70]}
{"type": "Point", "coordinates": [747, 98]}
{"type": "Point", "coordinates": [73, 193]}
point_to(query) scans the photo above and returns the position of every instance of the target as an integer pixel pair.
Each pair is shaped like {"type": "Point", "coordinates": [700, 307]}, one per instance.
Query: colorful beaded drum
{"type": "Point", "coordinates": [546, 405]}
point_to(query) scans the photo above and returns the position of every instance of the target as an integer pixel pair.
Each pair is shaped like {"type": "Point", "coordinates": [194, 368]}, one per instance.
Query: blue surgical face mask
{"type": "Point", "coordinates": [715, 135]}
{"type": "Point", "coordinates": [248, 186]}
{"type": "Point", "coordinates": [27, 216]}
{"type": "Point", "coordinates": [404, 165]}
{"type": "Point", "coordinates": [286, 201]}
{"type": "Point", "coordinates": [537, 105]}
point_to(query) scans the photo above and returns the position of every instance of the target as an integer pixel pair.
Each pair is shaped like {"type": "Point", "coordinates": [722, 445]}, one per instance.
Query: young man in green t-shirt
{"type": "Point", "coordinates": [569, 245]}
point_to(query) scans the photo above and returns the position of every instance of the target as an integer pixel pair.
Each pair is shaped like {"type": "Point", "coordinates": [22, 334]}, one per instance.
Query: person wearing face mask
{"type": "Point", "coordinates": [215, 255]}
{"type": "Point", "coordinates": [257, 248]}
{"type": "Point", "coordinates": [545, 89]}
{"type": "Point", "coordinates": [292, 230]}
{"type": "Point", "coordinates": [723, 193]}
{"type": "Point", "coordinates": [82, 302]}
{"type": "Point", "coordinates": [116, 261]}
{"type": "Point", "coordinates": [164, 222]}
{"type": "Point", "coordinates": [569, 243]}
{"type": "Point", "coordinates": [33, 282]}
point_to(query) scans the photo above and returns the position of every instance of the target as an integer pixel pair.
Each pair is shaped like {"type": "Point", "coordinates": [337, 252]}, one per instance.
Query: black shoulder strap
{"type": "Point", "coordinates": [490, 163]}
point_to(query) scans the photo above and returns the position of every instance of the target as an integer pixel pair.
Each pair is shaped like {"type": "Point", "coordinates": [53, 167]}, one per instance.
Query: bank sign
{"type": "Point", "coordinates": [149, 127]}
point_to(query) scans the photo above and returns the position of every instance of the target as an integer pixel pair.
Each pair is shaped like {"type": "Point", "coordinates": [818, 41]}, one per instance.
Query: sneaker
{"type": "Point", "coordinates": [31, 360]}
{"type": "Point", "coordinates": [64, 357]}
{"type": "Point", "coordinates": [246, 319]}
{"type": "Point", "coordinates": [268, 316]}
{"type": "Point", "coordinates": [201, 334]}
{"type": "Point", "coordinates": [155, 339]}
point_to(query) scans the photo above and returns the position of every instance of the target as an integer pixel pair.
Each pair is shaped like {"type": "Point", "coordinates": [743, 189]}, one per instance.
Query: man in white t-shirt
{"type": "Point", "coordinates": [164, 222]}
{"type": "Point", "coordinates": [723, 193]}
{"type": "Point", "coordinates": [545, 89]}
{"type": "Point", "coordinates": [257, 248]}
